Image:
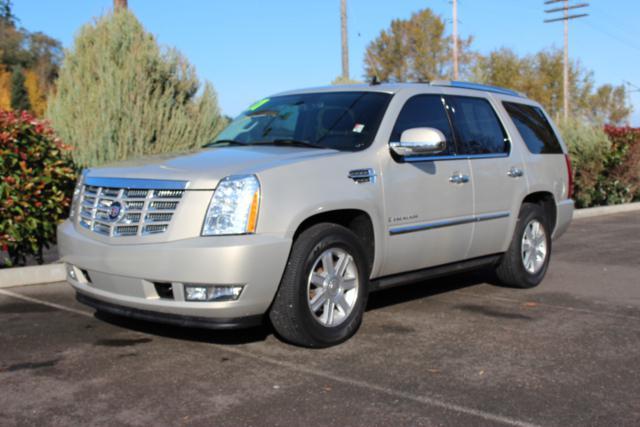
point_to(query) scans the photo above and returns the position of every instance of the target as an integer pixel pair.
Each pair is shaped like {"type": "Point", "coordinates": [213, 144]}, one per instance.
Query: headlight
{"type": "Point", "coordinates": [234, 207]}
{"type": "Point", "coordinates": [73, 211]}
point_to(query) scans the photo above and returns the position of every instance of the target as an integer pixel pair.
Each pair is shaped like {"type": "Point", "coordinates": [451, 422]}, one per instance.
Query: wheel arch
{"type": "Point", "coordinates": [548, 203]}
{"type": "Point", "coordinates": [356, 220]}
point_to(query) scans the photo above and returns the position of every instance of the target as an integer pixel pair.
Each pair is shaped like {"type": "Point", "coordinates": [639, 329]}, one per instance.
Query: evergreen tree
{"type": "Point", "coordinates": [19, 95]}
{"type": "Point", "coordinates": [119, 95]}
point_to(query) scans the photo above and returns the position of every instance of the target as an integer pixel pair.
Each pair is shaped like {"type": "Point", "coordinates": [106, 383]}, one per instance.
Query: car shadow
{"type": "Point", "coordinates": [377, 300]}
{"type": "Point", "coordinates": [429, 288]}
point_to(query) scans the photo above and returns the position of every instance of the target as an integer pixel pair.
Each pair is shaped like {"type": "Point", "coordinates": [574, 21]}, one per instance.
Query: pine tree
{"type": "Point", "coordinates": [19, 95]}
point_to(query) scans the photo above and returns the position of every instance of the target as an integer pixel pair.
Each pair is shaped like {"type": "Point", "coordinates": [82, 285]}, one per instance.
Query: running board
{"type": "Point", "coordinates": [432, 272]}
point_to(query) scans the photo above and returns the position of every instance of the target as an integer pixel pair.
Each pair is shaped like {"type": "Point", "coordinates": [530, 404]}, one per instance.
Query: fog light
{"type": "Point", "coordinates": [195, 293]}
{"type": "Point", "coordinates": [71, 271]}
{"type": "Point", "coordinates": [212, 292]}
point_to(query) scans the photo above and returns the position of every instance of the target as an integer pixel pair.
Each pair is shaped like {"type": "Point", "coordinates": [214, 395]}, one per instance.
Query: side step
{"type": "Point", "coordinates": [432, 272]}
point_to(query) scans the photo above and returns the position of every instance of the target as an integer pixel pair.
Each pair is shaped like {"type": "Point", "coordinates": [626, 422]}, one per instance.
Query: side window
{"type": "Point", "coordinates": [424, 111]}
{"type": "Point", "coordinates": [478, 127]}
{"type": "Point", "coordinates": [534, 128]}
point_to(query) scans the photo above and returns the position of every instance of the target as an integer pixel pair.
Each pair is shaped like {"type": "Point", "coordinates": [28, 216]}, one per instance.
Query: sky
{"type": "Point", "coordinates": [250, 49]}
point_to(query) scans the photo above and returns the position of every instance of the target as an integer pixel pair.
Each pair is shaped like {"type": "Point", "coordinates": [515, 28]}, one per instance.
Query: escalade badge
{"type": "Point", "coordinates": [115, 210]}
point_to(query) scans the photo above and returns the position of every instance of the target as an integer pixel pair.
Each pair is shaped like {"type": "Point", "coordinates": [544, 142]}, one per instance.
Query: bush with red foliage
{"type": "Point", "coordinates": [623, 164]}
{"type": "Point", "coordinates": [37, 183]}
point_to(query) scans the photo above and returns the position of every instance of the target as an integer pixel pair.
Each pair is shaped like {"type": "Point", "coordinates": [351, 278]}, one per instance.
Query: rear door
{"type": "Point", "coordinates": [497, 172]}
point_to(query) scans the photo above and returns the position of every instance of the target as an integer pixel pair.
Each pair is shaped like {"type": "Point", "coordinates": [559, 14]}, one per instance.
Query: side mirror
{"type": "Point", "coordinates": [420, 141]}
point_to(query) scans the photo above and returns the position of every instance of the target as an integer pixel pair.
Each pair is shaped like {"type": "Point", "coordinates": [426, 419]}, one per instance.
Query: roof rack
{"type": "Point", "coordinates": [476, 86]}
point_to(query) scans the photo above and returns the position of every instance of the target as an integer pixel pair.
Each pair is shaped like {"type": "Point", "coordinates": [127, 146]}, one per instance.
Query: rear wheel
{"type": "Point", "coordinates": [324, 288]}
{"type": "Point", "coordinates": [525, 263]}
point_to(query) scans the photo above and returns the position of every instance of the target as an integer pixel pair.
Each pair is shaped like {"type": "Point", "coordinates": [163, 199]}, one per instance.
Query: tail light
{"type": "Point", "coordinates": [570, 177]}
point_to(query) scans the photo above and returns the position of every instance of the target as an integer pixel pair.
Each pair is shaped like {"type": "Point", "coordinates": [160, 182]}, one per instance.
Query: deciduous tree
{"type": "Point", "coordinates": [539, 76]}
{"type": "Point", "coordinates": [417, 49]}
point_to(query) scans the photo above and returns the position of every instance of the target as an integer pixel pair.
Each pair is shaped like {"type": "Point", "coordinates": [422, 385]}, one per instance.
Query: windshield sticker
{"type": "Point", "coordinates": [358, 128]}
{"type": "Point", "coordinates": [258, 104]}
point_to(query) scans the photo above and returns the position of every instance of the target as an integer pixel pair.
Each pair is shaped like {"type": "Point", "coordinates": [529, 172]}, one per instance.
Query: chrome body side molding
{"type": "Point", "coordinates": [448, 223]}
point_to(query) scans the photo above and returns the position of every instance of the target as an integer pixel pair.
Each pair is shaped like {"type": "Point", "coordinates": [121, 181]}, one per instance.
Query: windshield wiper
{"type": "Point", "coordinates": [223, 141]}
{"type": "Point", "coordinates": [294, 142]}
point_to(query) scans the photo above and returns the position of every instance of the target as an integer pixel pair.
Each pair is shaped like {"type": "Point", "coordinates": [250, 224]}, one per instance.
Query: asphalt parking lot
{"type": "Point", "coordinates": [456, 351]}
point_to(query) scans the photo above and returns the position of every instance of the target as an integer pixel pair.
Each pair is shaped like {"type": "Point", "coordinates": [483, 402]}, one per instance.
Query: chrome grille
{"type": "Point", "coordinates": [143, 211]}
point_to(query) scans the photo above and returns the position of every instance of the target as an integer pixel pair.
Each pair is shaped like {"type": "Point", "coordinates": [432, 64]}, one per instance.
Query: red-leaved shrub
{"type": "Point", "coordinates": [37, 183]}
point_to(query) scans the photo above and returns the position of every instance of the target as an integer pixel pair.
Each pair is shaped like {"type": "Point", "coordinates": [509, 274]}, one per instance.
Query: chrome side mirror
{"type": "Point", "coordinates": [420, 142]}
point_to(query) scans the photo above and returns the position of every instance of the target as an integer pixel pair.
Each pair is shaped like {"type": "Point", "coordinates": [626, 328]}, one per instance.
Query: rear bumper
{"type": "Point", "coordinates": [564, 215]}
{"type": "Point", "coordinates": [121, 277]}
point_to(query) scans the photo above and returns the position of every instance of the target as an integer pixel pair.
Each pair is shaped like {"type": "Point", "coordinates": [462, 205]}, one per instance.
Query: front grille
{"type": "Point", "coordinates": [120, 212]}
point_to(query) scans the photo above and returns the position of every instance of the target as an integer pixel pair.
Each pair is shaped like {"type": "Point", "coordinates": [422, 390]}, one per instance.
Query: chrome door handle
{"type": "Point", "coordinates": [515, 172]}
{"type": "Point", "coordinates": [458, 178]}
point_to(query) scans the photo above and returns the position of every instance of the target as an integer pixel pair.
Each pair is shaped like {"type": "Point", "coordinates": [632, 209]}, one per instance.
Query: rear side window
{"type": "Point", "coordinates": [534, 128]}
{"type": "Point", "coordinates": [478, 127]}
{"type": "Point", "coordinates": [423, 111]}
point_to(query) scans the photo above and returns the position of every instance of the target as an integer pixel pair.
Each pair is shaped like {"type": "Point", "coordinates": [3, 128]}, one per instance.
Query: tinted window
{"type": "Point", "coordinates": [534, 128]}
{"type": "Point", "coordinates": [424, 111]}
{"type": "Point", "coordinates": [477, 125]}
{"type": "Point", "coordinates": [340, 120]}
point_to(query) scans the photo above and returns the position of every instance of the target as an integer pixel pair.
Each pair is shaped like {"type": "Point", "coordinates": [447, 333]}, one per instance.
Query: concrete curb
{"type": "Point", "coordinates": [605, 210]}
{"type": "Point", "coordinates": [22, 276]}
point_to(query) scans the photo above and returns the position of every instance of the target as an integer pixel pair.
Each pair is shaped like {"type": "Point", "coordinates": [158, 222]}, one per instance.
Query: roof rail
{"type": "Point", "coordinates": [476, 86]}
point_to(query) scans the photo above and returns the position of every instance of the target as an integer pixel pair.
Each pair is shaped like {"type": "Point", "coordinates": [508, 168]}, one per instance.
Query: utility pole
{"type": "Point", "coordinates": [455, 39]}
{"type": "Point", "coordinates": [566, 17]}
{"type": "Point", "coordinates": [119, 4]}
{"type": "Point", "coordinates": [345, 39]}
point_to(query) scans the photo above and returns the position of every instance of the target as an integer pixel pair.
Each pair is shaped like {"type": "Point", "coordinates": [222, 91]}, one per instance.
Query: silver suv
{"type": "Point", "coordinates": [311, 199]}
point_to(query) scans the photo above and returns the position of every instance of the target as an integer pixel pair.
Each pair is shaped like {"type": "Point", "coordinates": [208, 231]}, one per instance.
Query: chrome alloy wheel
{"type": "Point", "coordinates": [332, 288]}
{"type": "Point", "coordinates": [534, 246]}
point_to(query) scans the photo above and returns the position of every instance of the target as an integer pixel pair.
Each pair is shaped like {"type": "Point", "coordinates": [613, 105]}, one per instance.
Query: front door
{"type": "Point", "coordinates": [428, 200]}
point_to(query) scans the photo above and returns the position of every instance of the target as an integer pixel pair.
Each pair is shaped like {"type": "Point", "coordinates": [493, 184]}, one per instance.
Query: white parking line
{"type": "Point", "coordinates": [48, 304]}
{"type": "Point", "coordinates": [488, 416]}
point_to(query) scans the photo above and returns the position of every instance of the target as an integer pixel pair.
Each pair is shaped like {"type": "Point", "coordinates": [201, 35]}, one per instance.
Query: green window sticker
{"type": "Point", "coordinates": [258, 104]}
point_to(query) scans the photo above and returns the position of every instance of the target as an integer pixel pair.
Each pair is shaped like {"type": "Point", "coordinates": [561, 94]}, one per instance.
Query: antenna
{"type": "Point", "coordinates": [566, 18]}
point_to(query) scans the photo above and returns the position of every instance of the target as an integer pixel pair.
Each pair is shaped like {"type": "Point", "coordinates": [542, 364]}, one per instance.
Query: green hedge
{"type": "Point", "coordinates": [38, 179]}
{"type": "Point", "coordinates": [606, 163]}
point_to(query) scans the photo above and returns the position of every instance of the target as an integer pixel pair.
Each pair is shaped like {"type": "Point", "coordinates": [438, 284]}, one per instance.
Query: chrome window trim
{"type": "Point", "coordinates": [413, 159]}
{"type": "Point", "coordinates": [448, 223]}
{"type": "Point", "coordinates": [136, 183]}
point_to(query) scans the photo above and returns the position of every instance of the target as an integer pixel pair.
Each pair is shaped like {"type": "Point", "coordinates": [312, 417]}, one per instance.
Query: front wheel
{"type": "Point", "coordinates": [324, 289]}
{"type": "Point", "coordinates": [525, 263]}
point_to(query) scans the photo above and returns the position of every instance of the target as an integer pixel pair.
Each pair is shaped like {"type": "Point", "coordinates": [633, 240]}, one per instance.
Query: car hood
{"type": "Point", "coordinates": [206, 168]}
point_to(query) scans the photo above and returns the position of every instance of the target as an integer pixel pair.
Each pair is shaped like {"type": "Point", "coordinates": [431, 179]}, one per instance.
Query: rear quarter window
{"type": "Point", "coordinates": [534, 128]}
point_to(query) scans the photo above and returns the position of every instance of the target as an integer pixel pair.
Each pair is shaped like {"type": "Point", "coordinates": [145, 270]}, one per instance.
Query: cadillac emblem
{"type": "Point", "coordinates": [115, 210]}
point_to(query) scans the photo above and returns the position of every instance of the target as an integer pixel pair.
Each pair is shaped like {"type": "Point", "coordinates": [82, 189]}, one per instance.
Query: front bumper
{"type": "Point", "coordinates": [121, 278]}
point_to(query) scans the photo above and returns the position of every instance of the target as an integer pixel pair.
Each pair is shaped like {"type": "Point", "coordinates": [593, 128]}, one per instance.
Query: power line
{"type": "Point", "coordinates": [613, 36]}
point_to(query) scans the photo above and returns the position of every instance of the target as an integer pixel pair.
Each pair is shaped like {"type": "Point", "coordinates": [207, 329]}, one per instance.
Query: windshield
{"type": "Point", "coordinates": [346, 121]}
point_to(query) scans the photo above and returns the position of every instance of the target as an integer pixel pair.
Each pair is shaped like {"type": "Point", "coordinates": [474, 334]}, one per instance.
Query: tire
{"type": "Point", "coordinates": [515, 268]}
{"type": "Point", "coordinates": [307, 280]}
